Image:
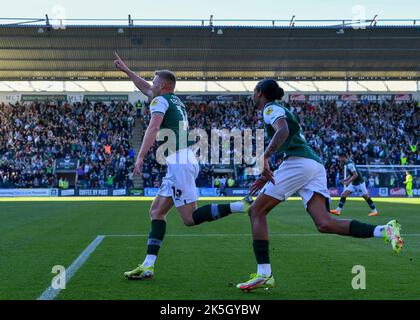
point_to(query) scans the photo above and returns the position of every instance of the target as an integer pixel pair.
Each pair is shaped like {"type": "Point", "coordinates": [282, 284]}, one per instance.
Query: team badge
{"type": "Point", "coordinates": [268, 111]}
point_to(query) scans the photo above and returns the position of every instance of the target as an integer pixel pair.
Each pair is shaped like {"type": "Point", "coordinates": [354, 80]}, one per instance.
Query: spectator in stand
{"type": "Point", "coordinates": [329, 127]}
{"type": "Point", "coordinates": [230, 182]}
{"type": "Point", "coordinates": [61, 183]}
{"type": "Point", "coordinates": [110, 180]}
{"type": "Point", "coordinates": [33, 135]}
{"type": "Point", "coordinates": [371, 182]}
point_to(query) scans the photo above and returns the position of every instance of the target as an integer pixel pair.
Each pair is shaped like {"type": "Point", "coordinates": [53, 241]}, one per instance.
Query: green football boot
{"type": "Point", "coordinates": [392, 234]}
{"type": "Point", "coordinates": [247, 201]}
{"type": "Point", "coordinates": [140, 273]}
{"type": "Point", "coordinates": [257, 281]}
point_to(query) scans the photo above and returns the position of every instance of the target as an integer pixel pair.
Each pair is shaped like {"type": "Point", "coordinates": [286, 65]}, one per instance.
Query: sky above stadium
{"type": "Point", "coordinates": [221, 9]}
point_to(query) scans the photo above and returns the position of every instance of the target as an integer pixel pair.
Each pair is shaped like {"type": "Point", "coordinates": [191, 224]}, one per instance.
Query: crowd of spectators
{"type": "Point", "coordinates": [383, 132]}
{"type": "Point", "coordinates": [370, 133]}
{"type": "Point", "coordinates": [33, 135]}
{"type": "Point", "coordinates": [96, 135]}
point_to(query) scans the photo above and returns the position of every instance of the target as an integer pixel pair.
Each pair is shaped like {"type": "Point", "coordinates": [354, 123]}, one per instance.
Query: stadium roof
{"type": "Point", "coordinates": [212, 86]}
{"type": "Point", "coordinates": [29, 52]}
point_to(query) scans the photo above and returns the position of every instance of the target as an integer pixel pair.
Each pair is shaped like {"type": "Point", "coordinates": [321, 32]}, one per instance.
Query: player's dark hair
{"type": "Point", "coordinates": [270, 89]}
{"type": "Point", "coordinates": [342, 154]}
{"type": "Point", "coordinates": [166, 75]}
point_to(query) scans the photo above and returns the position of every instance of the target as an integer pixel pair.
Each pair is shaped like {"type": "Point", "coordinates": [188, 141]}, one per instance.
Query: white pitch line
{"type": "Point", "coordinates": [50, 293]}
{"type": "Point", "coordinates": [241, 235]}
{"type": "Point", "coordinates": [216, 235]}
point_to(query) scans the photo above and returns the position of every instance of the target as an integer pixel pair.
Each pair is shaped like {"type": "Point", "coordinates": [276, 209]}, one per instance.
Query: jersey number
{"type": "Point", "coordinates": [177, 193]}
{"type": "Point", "coordinates": [181, 109]}
{"type": "Point", "coordinates": [184, 117]}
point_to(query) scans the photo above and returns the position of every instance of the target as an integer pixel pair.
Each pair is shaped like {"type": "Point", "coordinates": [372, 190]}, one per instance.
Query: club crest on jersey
{"type": "Point", "coordinates": [155, 102]}
{"type": "Point", "coordinates": [268, 111]}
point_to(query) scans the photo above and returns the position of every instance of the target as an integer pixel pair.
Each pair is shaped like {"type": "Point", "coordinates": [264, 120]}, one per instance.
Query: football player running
{"type": "Point", "coordinates": [178, 186]}
{"type": "Point", "coordinates": [302, 172]}
{"type": "Point", "coordinates": [354, 183]}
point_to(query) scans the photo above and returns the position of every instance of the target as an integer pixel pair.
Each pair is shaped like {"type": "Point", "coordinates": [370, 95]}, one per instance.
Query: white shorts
{"type": "Point", "coordinates": [179, 182]}
{"type": "Point", "coordinates": [359, 189]}
{"type": "Point", "coordinates": [302, 175]}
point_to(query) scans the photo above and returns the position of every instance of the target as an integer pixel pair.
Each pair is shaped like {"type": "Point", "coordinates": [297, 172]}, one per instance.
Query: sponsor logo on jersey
{"type": "Point", "coordinates": [268, 111]}
{"type": "Point", "coordinates": [155, 102]}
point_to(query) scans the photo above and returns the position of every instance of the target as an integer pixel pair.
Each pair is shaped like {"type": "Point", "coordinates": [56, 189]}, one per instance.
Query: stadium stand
{"type": "Point", "coordinates": [372, 133]}
{"type": "Point", "coordinates": [33, 135]}
{"type": "Point", "coordinates": [313, 59]}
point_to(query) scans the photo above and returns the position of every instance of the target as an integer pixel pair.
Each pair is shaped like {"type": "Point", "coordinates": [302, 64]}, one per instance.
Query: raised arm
{"type": "Point", "coordinates": [139, 82]}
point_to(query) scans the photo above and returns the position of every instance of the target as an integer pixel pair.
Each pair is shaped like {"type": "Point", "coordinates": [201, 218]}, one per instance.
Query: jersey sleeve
{"type": "Point", "coordinates": [351, 168]}
{"type": "Point", "coordinates": [272, 113]}
{"type": "Point", "coordinates": [159, 105]}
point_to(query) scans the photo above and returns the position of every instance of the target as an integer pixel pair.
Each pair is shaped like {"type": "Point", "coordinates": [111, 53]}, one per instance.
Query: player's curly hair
{"type": "Point", "coordinates": [270, 89]}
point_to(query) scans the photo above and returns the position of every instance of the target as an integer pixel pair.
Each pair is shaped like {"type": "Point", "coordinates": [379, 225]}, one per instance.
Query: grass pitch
{"type": "Point", "coordinates": [203, 262]}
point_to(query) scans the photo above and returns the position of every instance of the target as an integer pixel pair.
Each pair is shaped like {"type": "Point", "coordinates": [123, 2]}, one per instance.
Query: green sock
{"type": "Point", "coordinates": [211, 212]}
{"type": "Point", "coordinates": [156, 236]}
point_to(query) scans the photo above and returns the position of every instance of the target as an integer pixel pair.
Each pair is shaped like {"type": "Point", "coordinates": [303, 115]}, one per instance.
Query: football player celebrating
{"type": "Point", "coordinates": [301, 171]}
{"type": "Point", "coordinates": [178, 186]}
